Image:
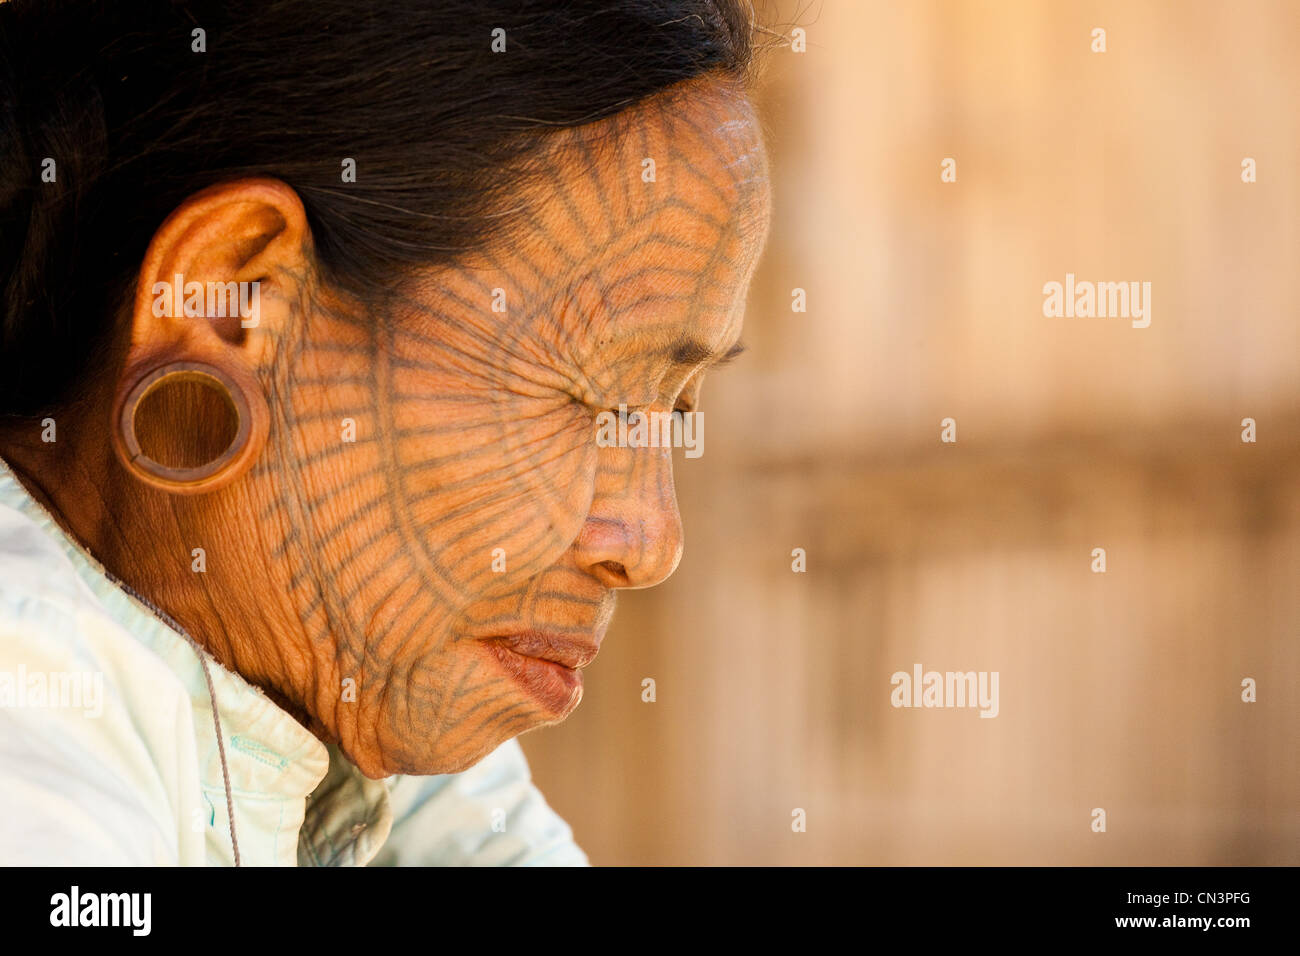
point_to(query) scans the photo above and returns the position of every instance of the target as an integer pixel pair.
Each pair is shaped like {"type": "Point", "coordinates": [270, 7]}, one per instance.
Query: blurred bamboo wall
{"type": "Point", "coordinates": [1119, 690]}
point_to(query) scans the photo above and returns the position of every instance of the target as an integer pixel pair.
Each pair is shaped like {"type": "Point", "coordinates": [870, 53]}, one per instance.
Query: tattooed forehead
{"type": "Point", "coordinates": [683, 161]}
{"type": "Point", "coordinates": [639, 234]}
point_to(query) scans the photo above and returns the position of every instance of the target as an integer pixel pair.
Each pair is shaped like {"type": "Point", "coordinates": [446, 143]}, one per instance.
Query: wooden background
{"type": "Point", "coordinates": [1118, 690]}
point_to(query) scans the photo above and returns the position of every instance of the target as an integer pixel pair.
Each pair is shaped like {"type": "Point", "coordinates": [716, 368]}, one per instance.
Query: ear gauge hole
{"type": "Point", "coordinates": [185, 420]}
{"type": "Point", "coordinates": [212, 425]}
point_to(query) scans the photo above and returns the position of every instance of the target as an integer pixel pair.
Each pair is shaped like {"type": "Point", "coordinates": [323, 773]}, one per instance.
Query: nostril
{"type": "Point", "coordinates": [617, 571]}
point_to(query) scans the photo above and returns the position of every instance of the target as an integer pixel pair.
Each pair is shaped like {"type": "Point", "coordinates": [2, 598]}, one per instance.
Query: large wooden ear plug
{"type": "Point", "coordinates": [189, 428]}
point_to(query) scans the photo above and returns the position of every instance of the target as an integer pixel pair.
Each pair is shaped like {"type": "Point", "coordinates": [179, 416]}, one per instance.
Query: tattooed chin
{"type": "Point", "coordinates": [492, 683]}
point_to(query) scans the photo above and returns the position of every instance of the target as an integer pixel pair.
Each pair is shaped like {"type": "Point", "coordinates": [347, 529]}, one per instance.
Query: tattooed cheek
{"type": "Point", "coordinates": [549, 475]}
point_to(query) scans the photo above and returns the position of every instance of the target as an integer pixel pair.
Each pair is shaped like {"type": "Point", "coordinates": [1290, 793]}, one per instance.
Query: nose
{"type": "Point", "coordinates": [632, 537]}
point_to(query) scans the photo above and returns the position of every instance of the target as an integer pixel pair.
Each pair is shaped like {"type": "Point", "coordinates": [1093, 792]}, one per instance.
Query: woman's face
{"type": "Point", "coordinates": [474, 502]}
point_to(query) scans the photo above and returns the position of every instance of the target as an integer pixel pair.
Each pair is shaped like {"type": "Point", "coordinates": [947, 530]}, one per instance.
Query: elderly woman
{"type": "Point", "coordinates": [309, 311]}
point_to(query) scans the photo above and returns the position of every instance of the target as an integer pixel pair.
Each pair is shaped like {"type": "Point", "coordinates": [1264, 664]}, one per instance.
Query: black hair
{"type": "Point", "coordinates": [136, 120]}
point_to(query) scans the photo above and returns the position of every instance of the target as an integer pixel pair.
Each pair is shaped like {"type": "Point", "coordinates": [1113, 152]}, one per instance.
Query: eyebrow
{"type": "Point", "coordinates": [695, 352]}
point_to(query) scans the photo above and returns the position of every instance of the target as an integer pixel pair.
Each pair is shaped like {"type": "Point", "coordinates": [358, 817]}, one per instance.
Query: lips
{"type": "Point", "coordinates": [544, 667]}
{"type": "Point", "coordinates": [566, 652]}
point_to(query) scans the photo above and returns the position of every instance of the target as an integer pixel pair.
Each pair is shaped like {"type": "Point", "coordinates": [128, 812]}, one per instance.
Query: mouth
{"type": "Point", "coordinates": [547, 647]}
{"type": "Point", "coordinates": [546, 666]}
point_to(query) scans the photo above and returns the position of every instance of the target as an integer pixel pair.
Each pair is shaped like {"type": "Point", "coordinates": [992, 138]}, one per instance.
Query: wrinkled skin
{"type": "Point", "coordinates": [373, 560]}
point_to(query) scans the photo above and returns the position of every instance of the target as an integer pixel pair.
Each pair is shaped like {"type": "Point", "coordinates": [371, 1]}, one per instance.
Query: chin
{"type": "Point", "coordinates": [451, 756]}
{"type": "Point", "coordinates": [415, 750]}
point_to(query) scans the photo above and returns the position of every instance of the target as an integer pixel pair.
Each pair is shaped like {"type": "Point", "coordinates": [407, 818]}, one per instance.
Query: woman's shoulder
{"type": "Point", "coordinates": [33, 567]}
{"type": "Point", "coordinates": [48, 608]}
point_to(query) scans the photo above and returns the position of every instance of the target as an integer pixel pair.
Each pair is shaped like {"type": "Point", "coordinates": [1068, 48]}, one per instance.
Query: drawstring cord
{"type": "Point", "coordinates": [221, 748]}
{"type": "Point", "coordinates": [212, 696]}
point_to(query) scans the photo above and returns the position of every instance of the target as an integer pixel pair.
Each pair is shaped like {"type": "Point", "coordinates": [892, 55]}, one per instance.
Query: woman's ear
{"type": "Point", "coordinates": [235, 250]}
{"type": "Point", "coordinates": [223, 277]}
